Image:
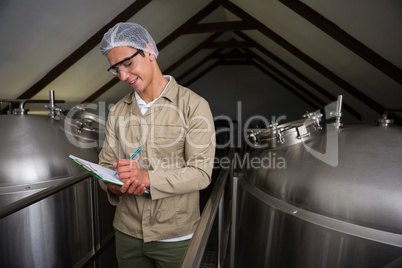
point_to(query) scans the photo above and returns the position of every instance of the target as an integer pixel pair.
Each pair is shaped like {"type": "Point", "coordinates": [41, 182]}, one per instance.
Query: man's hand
{"type": "Point", "coordinates": [135, 179]}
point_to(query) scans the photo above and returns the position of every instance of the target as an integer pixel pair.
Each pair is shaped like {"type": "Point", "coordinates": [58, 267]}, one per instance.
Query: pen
{"type": "Point", "coordinates": [134, 154]}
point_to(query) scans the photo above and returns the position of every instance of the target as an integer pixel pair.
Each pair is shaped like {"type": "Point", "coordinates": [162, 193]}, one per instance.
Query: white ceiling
{"type": "Point", "coordinates": [37, 35]}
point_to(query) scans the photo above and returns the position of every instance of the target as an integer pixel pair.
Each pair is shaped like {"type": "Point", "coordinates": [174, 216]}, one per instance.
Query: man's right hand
{"type": "Point", "coordinates": [120, 190]}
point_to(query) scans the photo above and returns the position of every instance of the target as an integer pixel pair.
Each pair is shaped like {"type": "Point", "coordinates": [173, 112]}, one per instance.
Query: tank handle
{"type": "Point", "coordinates": [384, 121]}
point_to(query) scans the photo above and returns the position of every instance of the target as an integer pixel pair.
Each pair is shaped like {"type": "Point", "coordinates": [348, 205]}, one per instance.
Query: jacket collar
{"type": "Point", "coordinates": [170, 93]}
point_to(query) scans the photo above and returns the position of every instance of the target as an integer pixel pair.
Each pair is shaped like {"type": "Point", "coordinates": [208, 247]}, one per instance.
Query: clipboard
{"type": "Point", "coordinates": [102, 173]}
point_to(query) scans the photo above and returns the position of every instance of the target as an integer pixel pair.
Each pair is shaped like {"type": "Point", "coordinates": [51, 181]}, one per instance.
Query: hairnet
{"type": "Point", "coordinates": [128, 34]}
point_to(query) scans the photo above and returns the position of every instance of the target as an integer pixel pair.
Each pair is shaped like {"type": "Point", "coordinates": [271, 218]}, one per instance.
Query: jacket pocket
{"type": "Point", "coordinates": [168, 141]}
{"type": "Point", "coordinates": [187, 208]}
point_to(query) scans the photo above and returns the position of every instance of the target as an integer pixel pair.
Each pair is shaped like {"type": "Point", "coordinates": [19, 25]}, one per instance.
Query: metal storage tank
{"type": "Point", "coordinates": [60, 230]}
{"type": "Point", "coordinates": [325, 197]}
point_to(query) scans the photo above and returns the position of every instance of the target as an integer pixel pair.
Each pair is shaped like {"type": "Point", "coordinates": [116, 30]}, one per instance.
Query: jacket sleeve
{"type": "Point", "coordinates": [199, 152]}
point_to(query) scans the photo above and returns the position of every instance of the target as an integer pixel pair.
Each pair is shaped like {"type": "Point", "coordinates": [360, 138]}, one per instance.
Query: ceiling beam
{"type": "Point", "coordinates": [233, 56]}
{"type": "Point", "coordinates": [102, 90]}
{"type": "Point", "coordinates": [189, 24]}
{"type": "Point", "coordinates": [197, 65]}
{"type": "Point", "coordinates": [283, 84]}
{"type": "Point", "coordinates": [299, 54]}
{"type": "Point", "coordinates": [297, 74]}
{"type": "Point", "coordinates": [219, 27]}
{"type": "Point", "coordinates": [235, 62]}
{"type": "Point", "coordinates": [226, 59]}
{"type": "Point", "coordinates": [286, 78]}
{"type": "Point", "coordinates": [345, 39]}
{"type": "Point", "coordinates": [230, 44]}
{"type": "Point", "coordinates": [83, 49]}
{"type": "Point", "coordinates": [248, 61]}
{"type": "Point", "coordinates": [191, 53]}
{"type": "Point", "coordinates": [201, 74]}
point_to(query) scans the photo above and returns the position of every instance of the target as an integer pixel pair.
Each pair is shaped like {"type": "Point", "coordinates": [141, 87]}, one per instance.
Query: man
{"type": "Point", "coordinates": [158, 205]}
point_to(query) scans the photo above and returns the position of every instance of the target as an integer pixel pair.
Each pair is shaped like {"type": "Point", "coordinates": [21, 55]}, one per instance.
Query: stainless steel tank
{"type": "Point", "coordinates": [60, 230]}
{"type": "Point", "coordinates": [322, 197]}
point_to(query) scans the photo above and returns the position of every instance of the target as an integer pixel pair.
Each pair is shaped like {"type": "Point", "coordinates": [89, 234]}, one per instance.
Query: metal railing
{"type": "Point", "coordinates": [215, 207]}
{"type": "Point", "coordinates": [32, 199]}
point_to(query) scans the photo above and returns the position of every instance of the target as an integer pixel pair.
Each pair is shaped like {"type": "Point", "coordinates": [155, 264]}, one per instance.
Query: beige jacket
{"type": "Point", "coordinates": [177, 138]}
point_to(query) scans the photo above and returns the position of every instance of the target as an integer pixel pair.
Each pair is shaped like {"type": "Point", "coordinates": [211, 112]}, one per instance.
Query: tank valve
{"type": "Point", "coordinates": [337, 114]}
{"type": "Point", "coordinates": [314, 117]}
{"type": "Point", "coordinates": [384, 121]}
{"type": "Point", "coordinates": [253, 137]}
{"type": "Point", "coordinates": [281, 140]}
{"type": "Point", "coordinates": [277, 132]}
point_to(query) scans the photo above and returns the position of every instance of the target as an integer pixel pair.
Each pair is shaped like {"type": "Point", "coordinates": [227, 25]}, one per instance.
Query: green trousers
{"type": "Point", "coordinates": [132, 252]}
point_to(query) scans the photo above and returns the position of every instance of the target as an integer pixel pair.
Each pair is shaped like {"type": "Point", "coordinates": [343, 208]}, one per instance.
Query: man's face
{"type": "Point", "coordinates": [135, 70]}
